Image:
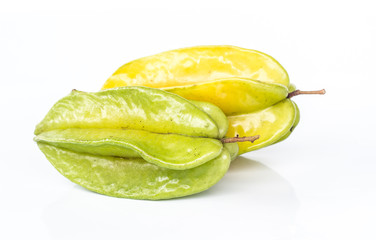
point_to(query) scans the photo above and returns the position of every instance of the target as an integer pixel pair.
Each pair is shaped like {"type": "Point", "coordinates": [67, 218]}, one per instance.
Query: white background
{"type": "Point", "coordinates": [319, 184]}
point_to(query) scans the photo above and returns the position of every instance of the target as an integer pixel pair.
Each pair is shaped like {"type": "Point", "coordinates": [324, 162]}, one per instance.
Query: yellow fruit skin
{"type": "Point", "coordinates": [271, 124]}
{"type": "Point", "coordinates": [234, 95]}
{"type": "Point", "coordinates": [296, 122]}
{"type": "Point", "coordinates": [249, 86]}
{"type": "Point", "coordinates": [198, 64]}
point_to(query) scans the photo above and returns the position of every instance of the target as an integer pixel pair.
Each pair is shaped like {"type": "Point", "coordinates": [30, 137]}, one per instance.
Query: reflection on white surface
{"type": "Point", "coordinates": [251, 199]}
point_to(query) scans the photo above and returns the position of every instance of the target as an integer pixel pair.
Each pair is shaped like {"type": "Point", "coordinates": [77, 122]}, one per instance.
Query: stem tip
{"type": "Point", "coordinates": [299, 92]}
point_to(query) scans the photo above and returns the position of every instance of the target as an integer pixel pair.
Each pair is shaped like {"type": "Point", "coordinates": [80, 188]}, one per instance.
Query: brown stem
{"type": "Point", "coordinates": [240, 139]}
{"type": "Point", "coordinates": [298, 92]}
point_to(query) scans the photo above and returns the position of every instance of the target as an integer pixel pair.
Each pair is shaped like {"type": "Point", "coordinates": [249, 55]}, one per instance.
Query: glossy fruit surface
{"type": "Point", "coordinates": [134, 177]}
{"type": "Point", "coordinates": [136, 142]}
{"type": "Point", "coordinates": [192, 65]}
{"type": "Point", "coordinates": [271, 124]}
{"type": "Point", "coordinates": [137, 108]}
{"type": "Point", "coordinates": [249, 86]}
{"type": "Point", "coordinates": [234, 95]}
{"type": "Point", "coordinates": [173, 151]}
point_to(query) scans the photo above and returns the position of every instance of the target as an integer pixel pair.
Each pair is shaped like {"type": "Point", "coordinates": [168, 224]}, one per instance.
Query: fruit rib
{"type": "Point", "coordinates": [137, 108]}
{"type": "Point", "coordinates": [134, 177]}
{"type": "Point", "coordinates": [234, 95]}
{"type": "Point", "coordinates": [187, 66]}
{"type": "Point", "coordinates": [296, 122]}
{"type": "Point", "coordinates": [271, 124]}
{"type": "Point", "coordinates": [165, 150]}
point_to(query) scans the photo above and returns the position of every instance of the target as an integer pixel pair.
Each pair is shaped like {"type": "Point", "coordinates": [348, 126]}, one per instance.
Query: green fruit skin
{"type": "Point", "coordinates": [233, 149]}
{"type": "Point", "coordinates": [134, 177]}
{"type": "Point", "coordinates": [216, 114]}
{"type": "Point", "coordinates": [165, 150]}
{"type": "Point", "coordinates": [136, 142]}
{"type": "Point", "coordinates": [138, 108]}
{"type": "Point", "coordinates": [291, 87]}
